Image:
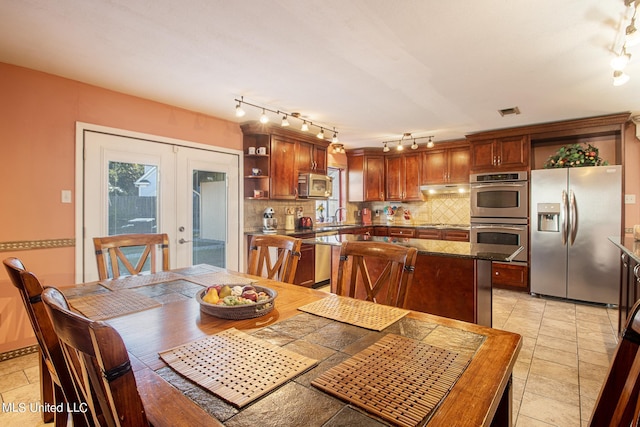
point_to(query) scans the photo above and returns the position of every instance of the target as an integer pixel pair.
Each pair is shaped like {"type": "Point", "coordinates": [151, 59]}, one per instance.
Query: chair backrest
{"type": "Point", "coordinates": [31, 290]}
{"type": "Point", "coordinates": [114, 252]}
{"type": "Point", "coordinates": [98, 360]}
{"type": "Point", "coordinates": [619, 401]}
{"type": "Point", "coordinates": [376, 271]}
{"type": "Point", "coordinates": [285, 262]}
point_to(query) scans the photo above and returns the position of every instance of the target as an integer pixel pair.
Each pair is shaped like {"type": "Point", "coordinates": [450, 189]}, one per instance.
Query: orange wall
{"type": "Point", "coordinates": [38, 115]}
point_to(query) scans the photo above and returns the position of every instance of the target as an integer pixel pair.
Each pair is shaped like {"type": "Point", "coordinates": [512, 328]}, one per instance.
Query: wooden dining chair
{"type": "Point", "coordinates": [113, 253]}
{"type": "Point", "coordinates": [285, 264]}
{"type": "Point", "coordinates": [376, 271]}
{"type": "Point", "coordinates": [99, 363]}
{"type": "Point", "coordinates": [56, 385]}
{"type": "Point", "coordinates": [619, 401]}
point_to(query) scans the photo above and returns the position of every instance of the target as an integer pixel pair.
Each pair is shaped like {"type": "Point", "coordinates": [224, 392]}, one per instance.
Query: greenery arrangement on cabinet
{"type": "Point", "coordinates": [575, 155]}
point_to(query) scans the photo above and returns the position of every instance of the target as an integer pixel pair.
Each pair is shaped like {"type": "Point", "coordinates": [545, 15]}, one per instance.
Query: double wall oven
{"type": "Point", "coordinates": [499, 210]}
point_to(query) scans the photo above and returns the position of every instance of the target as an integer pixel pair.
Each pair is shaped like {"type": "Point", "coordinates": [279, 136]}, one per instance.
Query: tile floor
{"type": "Point", "coordinates": [566, 351]}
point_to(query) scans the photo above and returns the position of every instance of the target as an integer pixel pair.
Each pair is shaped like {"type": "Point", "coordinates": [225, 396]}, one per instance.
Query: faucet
{"type": "Point", "coordinates": [335, 215]}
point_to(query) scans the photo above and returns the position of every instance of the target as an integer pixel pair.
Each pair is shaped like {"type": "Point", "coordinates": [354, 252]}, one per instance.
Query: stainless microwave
{"type": "Point", "coordinates": [314, 186]}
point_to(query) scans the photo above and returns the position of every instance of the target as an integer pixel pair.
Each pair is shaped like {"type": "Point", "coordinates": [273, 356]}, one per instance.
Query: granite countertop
{"type": "Point", "coordinates": [628, 245]}
{"type": "Point", "coordinates": [429, 247]}
{"type": "Point", "coordinates": [324, 227]}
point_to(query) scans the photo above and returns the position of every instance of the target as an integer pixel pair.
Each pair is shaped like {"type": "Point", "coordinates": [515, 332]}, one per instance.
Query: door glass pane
{"type": "Point", "coordinates": [133, 190]}
{"type": "Point", "coordinates": [209, 218]}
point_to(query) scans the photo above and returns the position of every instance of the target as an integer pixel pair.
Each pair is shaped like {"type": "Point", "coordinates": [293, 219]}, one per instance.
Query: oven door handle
{"type": "Point", "coordinates": [501, 184]}
{"type": "Point", "coordinates": [499, 227]}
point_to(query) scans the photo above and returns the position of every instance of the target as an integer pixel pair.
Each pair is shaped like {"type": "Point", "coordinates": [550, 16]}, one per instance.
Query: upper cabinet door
{"type": "Point", "coordinates": [284, 175]}
{"type": "Point", "coordinates": [446, 166]}
{"type": "Point", "coordinates": [500, 154]}
{"type": "Point", "coordinates": [458, 165]}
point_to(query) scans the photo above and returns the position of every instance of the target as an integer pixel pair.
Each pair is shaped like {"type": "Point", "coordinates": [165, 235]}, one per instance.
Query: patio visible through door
{"type": "Point", "coordinates": [135, 185]}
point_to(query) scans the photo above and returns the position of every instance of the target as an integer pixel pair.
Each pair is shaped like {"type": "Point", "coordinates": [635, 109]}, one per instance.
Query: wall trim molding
{"type": "Point", "coordinates": [25, 245]}
{"type": "Point", "coordinates": [19, 352]}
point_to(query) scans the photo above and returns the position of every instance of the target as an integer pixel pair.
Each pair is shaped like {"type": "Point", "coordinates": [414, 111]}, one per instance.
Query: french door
{"type": "Point", "coordinates": [134, 184]}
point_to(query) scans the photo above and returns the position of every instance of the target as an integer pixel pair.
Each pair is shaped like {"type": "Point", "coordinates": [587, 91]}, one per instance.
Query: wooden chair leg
{"type": "Point", "coordinates": [47, 396]}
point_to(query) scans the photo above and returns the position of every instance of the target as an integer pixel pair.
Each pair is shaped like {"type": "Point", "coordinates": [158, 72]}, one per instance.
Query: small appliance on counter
{"type": "Point", "coordinates": [269, 223]}
{"type": "Point", "coordinates": [305, 222]}
{"type": "Point", "coordinates": [289, 221]}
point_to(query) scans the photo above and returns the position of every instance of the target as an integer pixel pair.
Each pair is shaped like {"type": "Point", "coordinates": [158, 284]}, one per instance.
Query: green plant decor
{"type": "Point", "coordinates": [575, 155]}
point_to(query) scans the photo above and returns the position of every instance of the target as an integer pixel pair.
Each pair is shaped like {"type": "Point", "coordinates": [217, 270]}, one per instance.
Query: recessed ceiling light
{"type": "Point", "coordinates": [508, 111]}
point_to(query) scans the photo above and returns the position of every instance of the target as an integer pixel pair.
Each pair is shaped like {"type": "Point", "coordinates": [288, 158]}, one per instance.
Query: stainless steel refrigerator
{"type": "Point", "coordinates": [573, 212]}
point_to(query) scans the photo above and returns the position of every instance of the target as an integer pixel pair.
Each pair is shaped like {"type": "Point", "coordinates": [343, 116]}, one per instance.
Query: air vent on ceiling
{"type": "Point", "coordinates": [507, 111]}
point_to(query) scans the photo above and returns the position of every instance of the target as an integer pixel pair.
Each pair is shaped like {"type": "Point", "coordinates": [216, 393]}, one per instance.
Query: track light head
{"type": "Point", "coordinates": [285, 122]}
{"type": "Point", "coordinates": [304, 127]}
{"type": "Point", "coordinates": [320, 134]}
{"type": "Point", "coordinates": [264, 118]}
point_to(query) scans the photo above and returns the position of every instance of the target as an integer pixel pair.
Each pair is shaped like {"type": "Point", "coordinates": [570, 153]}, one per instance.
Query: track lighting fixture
{"type": "Point", "coordinates": [621, 61]}
{"type": "Point", "coordinates": [239, 111]}
{"type": "Point", "coordinates": [337, 148]}
{"type": "Point", "coordinates": [620, 78]}
{"type": "Point", "coordinates": [631, 38]}
{"type": "Point", "coordinates": [264, 118]}
{"type": "Point", "coordinates": [406, 136]}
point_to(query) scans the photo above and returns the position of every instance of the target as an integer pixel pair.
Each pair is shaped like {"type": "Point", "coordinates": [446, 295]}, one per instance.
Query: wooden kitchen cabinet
{"type": "Point", "coordinates": [455, 235]}
{"type": "Point", "coordinates": [284, 174]}
{"type": "Point", "coordinates": [306, 271]}
{"type": "Point", "coordinates": [446, 165]}
{"type": "Point", "coordinates": [289, 152]}
{"type": "Point", "coordinates": [403, 177]}
{"type": "Point", "coordinates": [256, 184]}
{"type": "Point", "coordinates": [515, 276]}
{"type": "Point", "coordinates": [443, 234]}
{"type": "Point", "coordinates": [311, 158]}
{"type": "Point", "coordinates": [429, 233]}
{"type": "Point", "coordinates": [365, 176]}
{"type": "Point", "coordinates": [402, 232]}
{"type": "Point", "coordinates": [500, 154]}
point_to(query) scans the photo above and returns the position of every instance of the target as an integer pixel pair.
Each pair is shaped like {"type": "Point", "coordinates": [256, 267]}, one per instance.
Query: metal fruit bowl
{"type": "Point", "coordinates": [237, 312]}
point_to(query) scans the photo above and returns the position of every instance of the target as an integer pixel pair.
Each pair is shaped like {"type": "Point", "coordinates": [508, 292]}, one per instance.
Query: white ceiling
{"type": "Point", "coordinates": [374, 69]}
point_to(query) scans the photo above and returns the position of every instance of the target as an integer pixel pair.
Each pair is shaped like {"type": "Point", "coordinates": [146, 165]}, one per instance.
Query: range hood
{"type": "Point", "coordinates": [445, 189]}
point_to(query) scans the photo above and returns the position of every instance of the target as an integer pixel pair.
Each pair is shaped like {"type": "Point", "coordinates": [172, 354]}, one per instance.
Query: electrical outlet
{"type": "Point", "coordinates": [66, 196]}
{"type": "Point", "coordinates": [629, 199]}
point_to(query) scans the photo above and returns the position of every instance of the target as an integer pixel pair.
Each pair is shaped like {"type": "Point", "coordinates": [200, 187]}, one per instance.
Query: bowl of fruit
{"type": "Point", "coordinates": [236, 301]}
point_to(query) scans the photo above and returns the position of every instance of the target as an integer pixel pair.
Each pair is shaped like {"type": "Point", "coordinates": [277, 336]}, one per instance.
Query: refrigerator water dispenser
{"type": "Point", "coordinates": [549, 217]}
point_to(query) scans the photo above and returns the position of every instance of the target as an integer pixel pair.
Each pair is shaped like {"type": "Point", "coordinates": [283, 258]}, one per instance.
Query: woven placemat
{"type": "Point", "coordinates": [112, 304]}
{"type": "Point", "coordinates": [129, 282]}
{"type": "Point", "coordinates": [361, 313]}
{"type": "Point", "coordinates": [235, 366]}
{"type": "Point", "coordinates": [398, 379]}
{"type": "Point", "coordinates": [220, 278]}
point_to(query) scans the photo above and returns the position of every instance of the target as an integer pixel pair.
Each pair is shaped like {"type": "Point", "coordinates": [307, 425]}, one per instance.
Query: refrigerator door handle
{"type": "Point", "coordinates": [565, 216]}
{"type": "Point", "coordinates": [573, 219]}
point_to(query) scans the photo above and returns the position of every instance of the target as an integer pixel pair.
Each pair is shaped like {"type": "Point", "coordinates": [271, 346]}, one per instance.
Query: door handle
{"type": "Point", "coordinates": [573, 221]}
{"type": "Point", "coordinates": [565, 215]}
{"type": "Point", "coordinates": [182, 241]}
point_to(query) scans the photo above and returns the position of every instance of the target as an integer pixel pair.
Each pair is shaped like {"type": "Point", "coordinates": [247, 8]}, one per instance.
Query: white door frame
{"type": "Point", "coordinates": [82, 127]}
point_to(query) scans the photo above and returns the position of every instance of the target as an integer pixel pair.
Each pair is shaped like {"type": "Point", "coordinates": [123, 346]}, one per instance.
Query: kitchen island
{"type": "Point", "coordinates": [452, 279]}
{"type": "Point", "coordinates": [630, 277]}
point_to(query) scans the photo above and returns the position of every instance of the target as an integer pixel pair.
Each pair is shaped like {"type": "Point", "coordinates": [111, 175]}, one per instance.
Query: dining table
{"type": "Point", "coordinates": [313, 359]}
